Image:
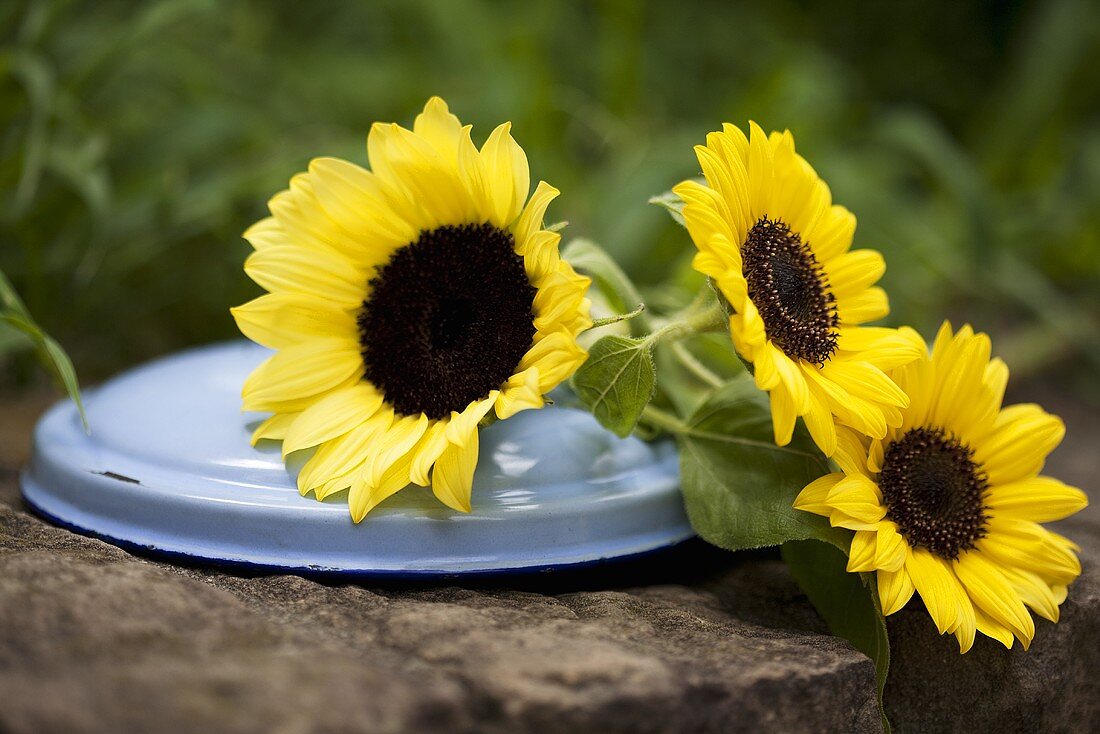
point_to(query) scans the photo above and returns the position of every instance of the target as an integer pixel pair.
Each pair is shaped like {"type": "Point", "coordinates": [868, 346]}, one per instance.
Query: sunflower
{"type": "Point", "coordinates": [949, 502]}
{"type": "Point", "coordinates": [778, 250]}
{"type": "Point", "coordinates": [408, 304]}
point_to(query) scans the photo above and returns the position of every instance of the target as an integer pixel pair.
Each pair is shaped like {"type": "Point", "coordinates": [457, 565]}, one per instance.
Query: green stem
{"type": "Point", "coordinates": [697, 368]}
{"type": "Point", "coordinates": [700, 321]}
{"type": "Point", "coordinates": [617, 318]}
{"type": "Point", "coordinates": [659, 418]}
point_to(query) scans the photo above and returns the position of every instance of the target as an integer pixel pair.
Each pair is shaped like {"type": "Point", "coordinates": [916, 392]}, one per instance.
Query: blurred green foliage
{"type": "Point", "coordinates": [140, 139]}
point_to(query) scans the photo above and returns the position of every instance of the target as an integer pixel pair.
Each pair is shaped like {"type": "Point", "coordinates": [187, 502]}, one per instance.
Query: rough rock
{"type": "Point", "coordinates": [1053, 686]}
{"type": "Point", "coordinates": [93, 639]}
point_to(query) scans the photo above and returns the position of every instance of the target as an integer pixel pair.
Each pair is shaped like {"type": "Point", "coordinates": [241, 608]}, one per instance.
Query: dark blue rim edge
{"type": "Point", "coordinates": [230, 565]}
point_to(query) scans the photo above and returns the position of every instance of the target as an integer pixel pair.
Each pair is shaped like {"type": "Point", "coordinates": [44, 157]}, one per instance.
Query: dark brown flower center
{"type": "Point", "coordinates": [789, 289]}
{"type": "Point", "coordinates": [447, 320]}
{"type": "Point", "coordinates": [933, 491]}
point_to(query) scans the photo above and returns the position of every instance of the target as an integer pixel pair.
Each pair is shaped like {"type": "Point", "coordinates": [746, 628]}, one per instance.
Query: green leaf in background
{"type": "Point", "coordinates": [14, 314]}
{"type": "Point", "coordinates": [12, 340]}
{"type": "Point", "coordinates": [848, 602]}
{"type": "Point", "coordinates": [738, 485]}
{"type": "Point", "coordinates": [621, 293]}
{"type": "Point", "coordinates": [689, 370]}
{"type": "Point", "coordinates": [671, 203]}
{"type": "Point", "coordinates": [617, 382]}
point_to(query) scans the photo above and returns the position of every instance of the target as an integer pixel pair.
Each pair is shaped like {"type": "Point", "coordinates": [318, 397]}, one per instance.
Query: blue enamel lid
{"type": "Point", "coordinates": [168, 469]}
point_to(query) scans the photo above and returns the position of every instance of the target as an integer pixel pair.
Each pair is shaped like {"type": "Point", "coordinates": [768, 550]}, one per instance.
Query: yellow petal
{"type": "Point", "coordinates": [886, 349]}
{"type": "Point", "coordinates": [895, 589]}
{"type": "Point", "coordinates": [339, 483]}
{"type": "Point", "coordinates": [866, 417]}
{"type": "Point", "coordinates": [861, 555]}
{"type": "Point", "coordinates": [357, 201]}
{"type": "Point", "coordinates": [507, 174]}
{"type": "Point", "coordinates": [520, 392]}
{"type": "Point", "coordinates": [833, 234]}
{"type": "Point", "coordinates": [393, 445]}
{"type": "Point", "coordinates": [1033, 591]}
{"type": "Point", "coordinates": [725, 183]}
{"type": "Point", "coordinates": [960, 392]}
{"type": "Point", "coordinates": [344, 455]}
{"type": "Point", "coordinates": [853, 272]}
{"type": "Point", "coordinates": [474, 177]}
{"type": "Point", "coordinates": [1028, 545]}
{"type": "Point", "coordinates": [858, 497]}
{"type": "Point", "coordinates": [790, 373]}
{"type": "Point", "coordinates": [996, 379]}
{"type": "Point", "coordinates": [305, 222]}
{"type": "Point", "coordinates": [820, 423]}
{"type": "Point", "coordinates": [301, 372]}
{"type": "Point", "coordinates": [453, 476]}
{"type": "Point", "coordinates": [851, 451]}
{"type": "Point", "coordinates": [732, 162]}
{"type": "Point", "coordinates": [765, 372]}
{"type": "Point", "coordinates": [966, 627]}
{"type": "Point", "coordinates": [935, 582]}
{"type": "Point", "coordinates": [991, 628]}
{"type": "Point", "coordinates": [274, 428]}
{"type": "Point", "coordinates": [330, 278]}
{"type": "Point", "coordinates": [760, 170]}
{"type": "Point", "coordinates": [541, 258]}
{"type": "Point", "coordinates": [868, 305]}
{"type": "Point", "coordinates": [864, 380]}
{"type": "Point", "coordinates": [427, 451]}
{"type": "Point", "coordinates": [783, 415]}
{"type": "Point", "coordinates": [463, 425]}
{"type": "Point", "coordinates": [279, 320]}
{"type": "Point", "coordinates": [991, 591]}
{"type": "Point", "coordinates": [556, 356]}
{"type": "Point", "coordinates": [707, 217]}
{"type": "Point", "coordinates": [815, 496]}
{"type": "Point", "coordinates": [334, 415]}
{"type": "Point", "coordinates": [265, 233]}
{"type": "Point", "coordinates": [390, 471]}
{"type": "Point", "coordinates": [441, 128]}
{"type": "Point", "coordinates": [530, 221]}
{"type": "Point", "coordinates": [559, 297]}
{"type": "Point", "coordinates": [1040, 499]}
{"type": "Point", "coordinates": [890, 547]}
{"type": "Point", "coordinates": [364, 497]}
{"type": "Point", "coordinates": [752, 338]}
{"type": "Point", "coordinates": [1022, 437]}
{"type": "Point", "coordinates": [408, 162]}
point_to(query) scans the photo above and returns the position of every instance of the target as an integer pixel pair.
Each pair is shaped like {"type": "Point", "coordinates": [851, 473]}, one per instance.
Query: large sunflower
{"type": "Point", "coordinates": [949, 502]}
{"type": "Point", "coordinates": [407, 303]}
{"type": "Point", "coordinates": [777, 248]}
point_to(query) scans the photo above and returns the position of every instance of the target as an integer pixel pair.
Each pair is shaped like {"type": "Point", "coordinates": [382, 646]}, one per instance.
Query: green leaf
{"type": "Point", "coordinates": [14, 314]}
{"type": "Point", "coordinates": [738, 485]}
{"type": "Point", "coordinates": [848, 602]}
{"type": "Point", "coordinates": [64, 371]}
{"type": "Point", "coordinates": [9, 299]}
{"type": "Point", "coordinates": [671, 203]}
{"type": "Point", "coordinates": [590, 259]}
{"type": "Point", "coordinates": [12, 340]}
{"type": "Point", "coordinates": [617, 382]}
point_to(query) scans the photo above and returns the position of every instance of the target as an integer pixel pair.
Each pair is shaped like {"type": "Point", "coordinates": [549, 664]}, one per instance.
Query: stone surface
{"type": "Point", "coordinates": [93, 639]}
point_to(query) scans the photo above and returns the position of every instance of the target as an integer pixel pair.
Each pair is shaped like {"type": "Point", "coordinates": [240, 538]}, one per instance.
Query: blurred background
{"type": "Point", "coordinates": [139, 141]}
